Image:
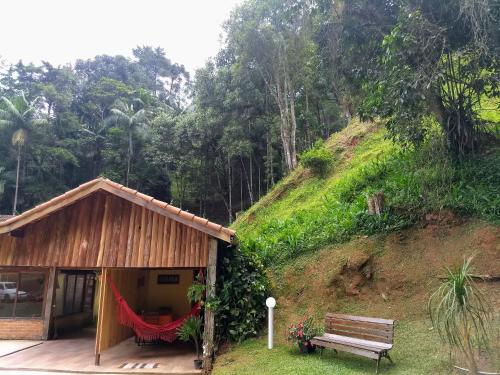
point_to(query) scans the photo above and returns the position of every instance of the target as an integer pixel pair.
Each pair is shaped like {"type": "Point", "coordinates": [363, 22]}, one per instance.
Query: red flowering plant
{"type": "Point", "coordinates": [303, 332]}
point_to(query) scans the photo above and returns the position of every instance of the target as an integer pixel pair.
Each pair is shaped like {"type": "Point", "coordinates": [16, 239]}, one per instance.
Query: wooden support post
{"type": "Point", "coordinates": [49, 306]}
{"type": "Point", "coordinates": [208, 332]}
{"type": "Point", "coordinates": [98, 336]}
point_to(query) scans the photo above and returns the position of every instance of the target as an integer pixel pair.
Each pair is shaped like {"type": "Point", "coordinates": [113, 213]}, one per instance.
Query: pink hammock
{"type": "Point", "coordinates": [146, 331]}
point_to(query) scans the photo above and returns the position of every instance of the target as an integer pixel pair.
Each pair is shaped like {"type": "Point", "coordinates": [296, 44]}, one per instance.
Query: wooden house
{"type": "Point", "coordinates": [54, 260]}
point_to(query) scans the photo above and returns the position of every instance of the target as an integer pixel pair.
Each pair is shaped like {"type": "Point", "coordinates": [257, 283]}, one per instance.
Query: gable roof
{"type": "Point", "coordinates": [101, 183]}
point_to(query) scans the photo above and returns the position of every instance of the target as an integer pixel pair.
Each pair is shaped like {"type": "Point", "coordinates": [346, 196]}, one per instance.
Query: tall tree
{"type": "Point", "coordinates": [131, 116]}
{"type": "Point", "coordinates": [21, 116]}
{"type": "Point", "coordinates": [165, 79]}
{"type": "Point", "coordinates": [274, 37]}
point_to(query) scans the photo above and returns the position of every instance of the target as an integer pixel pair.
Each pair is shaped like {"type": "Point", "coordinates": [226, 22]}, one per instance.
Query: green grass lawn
{"type": "Point", "coordinates": [417, 350]}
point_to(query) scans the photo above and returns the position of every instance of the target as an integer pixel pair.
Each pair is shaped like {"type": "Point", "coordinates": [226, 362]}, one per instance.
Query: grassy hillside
{"type": "Point", "coordinates": [304, 212]}
{"type": "Point", "coordinates": [324, 253]}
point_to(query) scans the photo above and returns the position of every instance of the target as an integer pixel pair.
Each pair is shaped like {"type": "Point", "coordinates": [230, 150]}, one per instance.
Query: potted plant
{"type": "Point", "coordinates": [302, 333]}
{"type": "Point", "coordinates": [191, 329]}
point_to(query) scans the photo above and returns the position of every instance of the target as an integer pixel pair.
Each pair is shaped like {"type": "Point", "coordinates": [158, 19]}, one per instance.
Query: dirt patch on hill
{"type": "Point", "coordinates": [388, 276]}
{"type": "Point", "coordinates": [356, 273]}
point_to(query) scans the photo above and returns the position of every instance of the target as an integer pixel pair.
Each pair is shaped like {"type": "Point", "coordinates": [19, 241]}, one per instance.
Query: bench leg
{"type": "Point", "coordinates": [389, 358]}
{"type": "Point", "coordinates": [321, 351]}
{"type": "Point", "coordinates": [335, 351]}
{"type": "Point", "coordinates": [378, 363]}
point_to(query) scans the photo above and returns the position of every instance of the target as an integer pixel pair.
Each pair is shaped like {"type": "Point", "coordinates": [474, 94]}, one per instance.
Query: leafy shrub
{"type": "Point", "coordinates": [241, 293]}
{"type": "Point", "coordinates": [318, 159]}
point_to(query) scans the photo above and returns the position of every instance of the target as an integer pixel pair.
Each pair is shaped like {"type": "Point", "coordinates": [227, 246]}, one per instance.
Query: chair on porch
{"type": "Point", "coordinates": [161, 317]}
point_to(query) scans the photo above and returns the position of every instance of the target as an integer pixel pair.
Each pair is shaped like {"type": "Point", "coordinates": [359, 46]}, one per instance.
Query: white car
{"type": "Point", "coordinates": [8, 290]}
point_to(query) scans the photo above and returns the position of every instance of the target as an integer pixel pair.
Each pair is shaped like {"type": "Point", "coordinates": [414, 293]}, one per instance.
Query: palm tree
{"type": "Point", "coordinates": [461, 314]}
{"type": "Point", "coordinates": [131, 116]}
{"type": "Point", "coordinates": [96, 132]}
{"type": "Point", "coordinates": [22, 116]}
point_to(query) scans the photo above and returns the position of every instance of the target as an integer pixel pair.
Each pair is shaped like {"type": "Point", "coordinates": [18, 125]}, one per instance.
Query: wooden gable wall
{"type": "Point", "coordinates": [104, 230]}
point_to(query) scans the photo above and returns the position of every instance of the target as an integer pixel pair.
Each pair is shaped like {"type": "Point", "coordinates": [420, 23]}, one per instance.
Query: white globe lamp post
{"type": "Point", "coordinates": [270, 303]}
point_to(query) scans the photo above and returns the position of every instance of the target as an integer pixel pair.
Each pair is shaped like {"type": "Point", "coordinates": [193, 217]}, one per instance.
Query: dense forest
{"type": "Point", "coordinates": [289, 73]}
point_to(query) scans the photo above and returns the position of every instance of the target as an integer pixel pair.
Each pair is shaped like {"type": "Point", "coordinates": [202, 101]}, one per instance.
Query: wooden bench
{"type": "Point", "coordinates": [368, 337]}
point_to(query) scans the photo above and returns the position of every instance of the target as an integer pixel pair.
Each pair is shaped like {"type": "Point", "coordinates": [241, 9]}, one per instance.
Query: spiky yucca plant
{"type": "Point", "coordinates": [461, 313]}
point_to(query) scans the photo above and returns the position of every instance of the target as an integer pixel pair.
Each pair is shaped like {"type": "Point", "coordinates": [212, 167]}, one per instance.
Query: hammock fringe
{"type": "Point", "coordinates": [147, 331]}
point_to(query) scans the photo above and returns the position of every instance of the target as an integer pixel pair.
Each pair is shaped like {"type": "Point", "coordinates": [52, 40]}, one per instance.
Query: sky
{"type": "Point", "coordinates": [61, 31]}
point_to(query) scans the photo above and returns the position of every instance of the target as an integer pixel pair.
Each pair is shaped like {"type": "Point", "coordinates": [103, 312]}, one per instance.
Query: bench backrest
{"type": "Point", "coordinates": [360, 327]}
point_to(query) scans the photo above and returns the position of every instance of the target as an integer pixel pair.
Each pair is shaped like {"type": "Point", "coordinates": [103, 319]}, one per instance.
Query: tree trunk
{"type": "Point", "coordinates": [286, 124]}
{"type": "Point", "coordinates": [209, 326]}
{"type": "Point", "coordinates": [129, 155]}
{"type": "Point", "coordinates": [318, 117]}
{"type": "Point", "coordinates": [17, 178]}
{"type": "Point", "coordinates": [248, 180]}
{"type": "Point", "coordinates": [230, 188]}
{"type": "Point", "coordinates": [458, 124]}
{"type": "Point", "coordinates": [468, 349]}
{"type": "Point", "coordinates": [376, 203]}
{"type": "Point", "coordinates": [258, 173]}
{"type": "Point", "coordinates": [346, 106]}
{"type": "Point", "coordinates": [269, 161]}
{"type": "Point", "coordinates": [307, 125]}
{"type": "Point", "coordinates": [293, 132]}
{"type": "Point", "coordinates": [227, 202]}
{"type": "Point", "coordinates": [251, 176]}
{"type": "Point", "coordinates": [241, 190]}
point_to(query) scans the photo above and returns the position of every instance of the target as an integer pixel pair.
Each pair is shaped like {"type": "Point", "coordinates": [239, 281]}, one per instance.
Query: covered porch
{"type": "Point", "coordinates": [76, 353]}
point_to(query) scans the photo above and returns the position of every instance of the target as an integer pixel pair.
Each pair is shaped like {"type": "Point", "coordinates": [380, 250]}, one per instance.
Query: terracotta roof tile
{"type": "Point", "coordinates": [200, 220]}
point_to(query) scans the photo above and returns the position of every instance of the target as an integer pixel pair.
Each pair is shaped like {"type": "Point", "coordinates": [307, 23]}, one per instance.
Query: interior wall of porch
{"type": "Point", "coordinates": [169, 296]}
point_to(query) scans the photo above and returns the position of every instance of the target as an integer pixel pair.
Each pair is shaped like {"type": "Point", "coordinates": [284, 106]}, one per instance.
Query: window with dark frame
{"type": "Point", "coordinates": [78, 293]}
{"type": "Point", "coordinates": [168, 279]}
{"type": "Point", "coordinates": [21, 294]}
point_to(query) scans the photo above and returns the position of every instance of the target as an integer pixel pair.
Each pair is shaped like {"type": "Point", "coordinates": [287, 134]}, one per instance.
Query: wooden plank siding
{"type": "Point", "coordinates": [105, 230]}
{"type": "Point", "coordinates": [109, 331]}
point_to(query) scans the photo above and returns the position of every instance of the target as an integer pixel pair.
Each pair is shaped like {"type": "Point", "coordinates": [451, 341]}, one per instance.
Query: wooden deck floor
{"type": "Point", "coordinates": [75, 354]}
